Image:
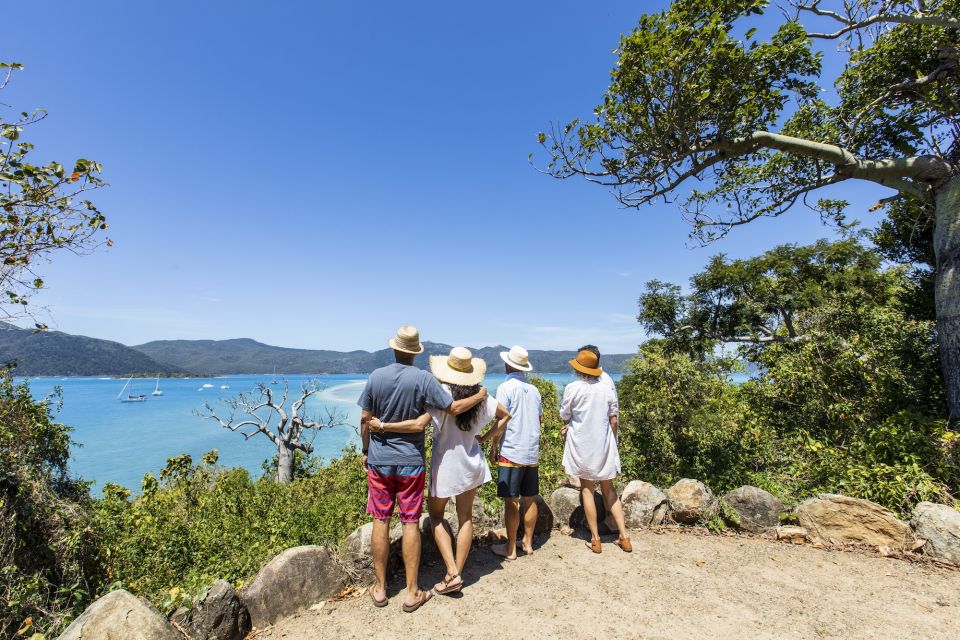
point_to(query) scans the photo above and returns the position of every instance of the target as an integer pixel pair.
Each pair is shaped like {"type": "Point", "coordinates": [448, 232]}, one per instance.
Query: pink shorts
{"type": "Point", "coordinates": [389, 485]}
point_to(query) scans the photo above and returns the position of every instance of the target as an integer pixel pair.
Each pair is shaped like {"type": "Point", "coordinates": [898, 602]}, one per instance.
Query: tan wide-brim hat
{"type": "Point", "coordinates": [518, 358]}
{"type": "Point", "coordinates": [587, 362]}
{"type": "Point", "coordinates": [460, 367]}
{"type": "Point", "coordinates": [406, 340]}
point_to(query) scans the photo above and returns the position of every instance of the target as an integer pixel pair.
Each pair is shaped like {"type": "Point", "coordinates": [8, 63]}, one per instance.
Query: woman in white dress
{"type": "Point", "coordinates": [458, 465]}
{"type": "Point", "coordinates": [591, 415]}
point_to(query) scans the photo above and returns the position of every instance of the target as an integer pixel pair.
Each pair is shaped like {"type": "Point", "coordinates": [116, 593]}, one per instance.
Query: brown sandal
{"type": "Point", "coordinates": [625, 544]}
{"type": "Point", "coordinates": [422, 599]}
{"type": "Point", "coordinates": [594, 545]}
{"type": "Point", "coordinates": [447, 587]}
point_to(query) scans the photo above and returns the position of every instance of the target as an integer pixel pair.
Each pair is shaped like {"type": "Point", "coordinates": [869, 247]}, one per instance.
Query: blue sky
{"type": "Point", "coordinates": [314, 175]}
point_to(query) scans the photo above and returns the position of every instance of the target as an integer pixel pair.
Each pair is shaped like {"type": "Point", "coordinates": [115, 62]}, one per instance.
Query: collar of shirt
{"type": "Point", "coordinates": [519, 375]}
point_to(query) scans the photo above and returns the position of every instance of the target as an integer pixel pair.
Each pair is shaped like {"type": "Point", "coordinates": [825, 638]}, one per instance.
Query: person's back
{"type": "Point", "coordinates": [588, 404]}
{"type": "Point", "coordinates": [395, 393]}
{"type": "Point", "coordinates": [521, 440]}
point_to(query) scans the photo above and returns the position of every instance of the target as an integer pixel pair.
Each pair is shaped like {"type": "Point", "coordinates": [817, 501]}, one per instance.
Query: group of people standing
{"type": "Point", "coordinates": [399, 401]}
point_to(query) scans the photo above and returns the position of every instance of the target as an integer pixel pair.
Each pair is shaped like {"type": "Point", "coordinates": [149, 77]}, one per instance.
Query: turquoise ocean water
{"type": "Point", "coordinates": [120, 442]}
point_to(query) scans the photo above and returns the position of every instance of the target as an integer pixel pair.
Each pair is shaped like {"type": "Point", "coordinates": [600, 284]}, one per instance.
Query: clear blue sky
{"type": "Point", "coordinates": [315, 175]}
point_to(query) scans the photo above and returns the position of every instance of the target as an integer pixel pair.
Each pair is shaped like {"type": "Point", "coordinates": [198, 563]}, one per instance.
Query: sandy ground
{"type": "Point", "coordinates": [675, 585]}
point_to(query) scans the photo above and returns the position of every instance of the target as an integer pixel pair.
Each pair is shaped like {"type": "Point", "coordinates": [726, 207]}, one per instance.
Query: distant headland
{"type": "Point", "coordinates": [54, 353]}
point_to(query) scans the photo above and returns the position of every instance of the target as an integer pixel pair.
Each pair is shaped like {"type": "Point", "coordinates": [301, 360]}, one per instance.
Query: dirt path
{"type": "Point", "coordinates": [675, 585]}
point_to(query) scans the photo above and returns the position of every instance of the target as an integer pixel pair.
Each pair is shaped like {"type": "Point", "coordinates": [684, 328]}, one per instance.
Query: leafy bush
{"type": "Point", "coordinates": [848, 395]}
{"type": "Point", "coordinates": [198, 523]}
{"type": "Point", "coordinates": [49, 564]}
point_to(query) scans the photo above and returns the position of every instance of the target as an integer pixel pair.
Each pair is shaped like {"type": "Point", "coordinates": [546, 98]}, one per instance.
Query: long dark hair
{"type": "Point", "coordinates": [465, 419]}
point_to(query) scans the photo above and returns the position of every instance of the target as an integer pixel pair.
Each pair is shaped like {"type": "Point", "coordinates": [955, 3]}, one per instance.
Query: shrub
{"type": "Point", "coordinates": [197, 523]}
{"type": "Point", "coordinates": [49, 564]}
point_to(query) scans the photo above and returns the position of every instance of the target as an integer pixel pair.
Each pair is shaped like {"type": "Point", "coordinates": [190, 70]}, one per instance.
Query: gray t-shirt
{"type": "Point", "coordinates": [395, 393]}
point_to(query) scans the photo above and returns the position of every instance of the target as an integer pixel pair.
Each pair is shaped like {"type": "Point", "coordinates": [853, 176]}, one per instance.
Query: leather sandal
{"type": "Point", "coordinates": [377, 603]}
{"type": "Point", "coordinates": [594, 545]}
{"type": "Point", "coordinates": [625, 544]}
{"type": "Point", "coordinates": [422, 599]}
{"type": "Point", "coordinates": [447, 587]}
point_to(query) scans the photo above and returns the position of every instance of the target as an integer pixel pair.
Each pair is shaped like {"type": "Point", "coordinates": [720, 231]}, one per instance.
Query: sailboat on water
{"type": "Point", "coordinates": [130, 397]}
{"type": "Point", "coordinates": [274, 379]}
{"type": "Point", "coordinates": [156, 391]}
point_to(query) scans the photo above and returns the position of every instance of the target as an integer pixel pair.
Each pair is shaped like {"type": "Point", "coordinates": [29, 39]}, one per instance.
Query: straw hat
{"type": "Point", "coordinates": [460, 367]}
{"type": "Point", "coordinates": [517, 358]}
{"type": "Point", "coordinates": [587, 362]}
{"type": "Point", "coordinates": [406, 340]}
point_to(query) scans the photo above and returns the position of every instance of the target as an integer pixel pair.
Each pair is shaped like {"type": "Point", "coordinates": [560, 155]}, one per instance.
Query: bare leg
{"type": "Point", "coordinates": [614, 506]}
{"type": "Point", "coordinates": [589, 506]}
{"type": "Point", "coordinates": [442, 538]}
{"type": "Point", "coordinates": [529, 523]}
{"type": "Point", "coordinates": [380, 546]}
{"type": "Point", "coordinates": [465, 533]}
{"type": "Point", "coordinates": [411, 560]}
{"type": "Point", "coordinates": [511, 516]}
{"type": "Point", "coordinates": [610, 521]}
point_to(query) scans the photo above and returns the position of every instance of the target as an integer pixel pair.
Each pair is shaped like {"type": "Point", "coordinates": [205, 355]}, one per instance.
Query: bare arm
{"type": "Point", "coordinates": [614, 424]}
{"type": "Point", "coordinates": [414, 425]}
{"type": "Point", "coordinates": [465, 404]}
{"type": "Point", "coordinates": [365, 418]}
{"type": "Point", "coordinates": [493, 433]}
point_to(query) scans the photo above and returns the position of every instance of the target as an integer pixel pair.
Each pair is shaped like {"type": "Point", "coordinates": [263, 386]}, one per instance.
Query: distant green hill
{"type": "Point", "coordinates": [249, 356]}
{"type": "Point", "coordinates": [52, 353]}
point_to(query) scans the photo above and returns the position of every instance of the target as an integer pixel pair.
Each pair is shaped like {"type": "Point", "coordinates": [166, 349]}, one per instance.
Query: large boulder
{"type": "Point", "coordinates": [691, 502]}
{"type": "Point", "coordinates": [939, 525]}
{"type": "Point", "coordinates": [218, 615]}
{"type": "Point", "coordinates": [567, 508]}
{"type": "Point", "coordinates": [644, 505]}
{"type": "Point", "coordinates": [845, 520]}
{"type": "Point", "coordinates": [120, 615]}
{"type": "Point", "coordinates": [294, 580]}
{"type": "Point", "coordinates": [756, 509]}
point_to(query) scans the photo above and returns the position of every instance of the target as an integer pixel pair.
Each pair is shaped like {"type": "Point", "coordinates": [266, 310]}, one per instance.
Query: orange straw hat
{"type": "Point", "coordinates": [587, 362]}
{"type": "Point", "coordinates": [406, 340]}
{"type": "Point", "coordinates": [460, 367]}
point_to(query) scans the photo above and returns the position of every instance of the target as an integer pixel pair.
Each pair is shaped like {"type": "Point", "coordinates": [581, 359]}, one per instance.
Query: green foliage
{"type": "Point", "coordinates": [40, 209]}
{"type": "Point", "coordinates": [848, 398]}
{"type": "Point", "coordinates": [680, 417]}
{"type": "Point", "coordinates": [49, 565]}
{"type": "Point", "coordinates": [198, 523]}
{"type": "Point", "coordinates": [697, 90]}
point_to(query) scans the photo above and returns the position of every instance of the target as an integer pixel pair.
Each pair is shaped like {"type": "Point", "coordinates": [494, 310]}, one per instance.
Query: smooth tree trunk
{"type": "Point", "coordinates": [946, 245]}
{"type": "Point", "coordinates": [284, 464]}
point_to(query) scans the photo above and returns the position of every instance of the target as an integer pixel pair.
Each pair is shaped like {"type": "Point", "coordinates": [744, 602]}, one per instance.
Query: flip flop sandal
{"type": "Point", "coordinates": [594, 545]}
{"type": "Point", "coordinates": [447, 587]}
{"type": "Point", "coordinates": [625, 544]}
{"type": "Point", "coordinates": [422, 600]}
{"type": "Point", "coordinates": [378, 603]}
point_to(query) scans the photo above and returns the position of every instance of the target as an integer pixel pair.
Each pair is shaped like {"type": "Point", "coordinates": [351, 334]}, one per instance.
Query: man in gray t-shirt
{"type": "Point", "coordinates": [392, 422]}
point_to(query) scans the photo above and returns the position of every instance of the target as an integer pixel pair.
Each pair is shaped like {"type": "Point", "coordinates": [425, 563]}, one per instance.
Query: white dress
{"type": "Point", "coordinates": [590, 451]}
{"type": "Point", "coordinates": [458, 462]}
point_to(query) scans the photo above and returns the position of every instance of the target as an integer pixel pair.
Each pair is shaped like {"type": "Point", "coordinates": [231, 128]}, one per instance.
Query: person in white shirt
{"type": "Point", "coordinates": [517, 453]}
{"type": "Point", "coordinates": [590, 412]}
{"type": "Point", "coordinates": [608, 526]}
{"type": "Point", "coordinates": [457, 467]}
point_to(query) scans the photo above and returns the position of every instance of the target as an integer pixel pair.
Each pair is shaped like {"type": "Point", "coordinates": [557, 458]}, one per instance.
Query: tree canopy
{"type": "Point", "coordinates": [736, 126]}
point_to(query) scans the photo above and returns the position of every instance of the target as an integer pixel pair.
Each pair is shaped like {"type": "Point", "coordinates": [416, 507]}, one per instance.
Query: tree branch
{"type": "Point", "coordinates": [881, 17]}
